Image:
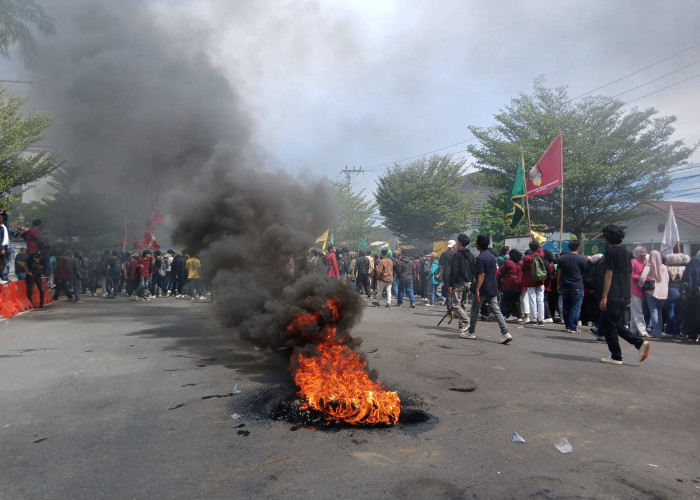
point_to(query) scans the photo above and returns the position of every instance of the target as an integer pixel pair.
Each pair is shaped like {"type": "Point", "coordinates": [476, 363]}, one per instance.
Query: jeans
{"type": "Point", "coordinates": [9, 255]}
{"type": "Point", "coordinates": [405, 288]}
{"type": "Point", "coordinates": [77, 285]}
{"type": "Point", "coordinates": [673, 313]}
{"type": "Point", "coordinates": [491, 302]}
{"type": "Point", "coordinates": [142, 289]}
{"type": "Point", "coordinates": [112, 287]}
{"type": "Point", "coordinates": [615, 326]}
{"type": "Point", "coordinates": [637, 324]}
{"type": "Point", "coordinates": [395, 286]}
{"type": "Point", "coordinates": [571, 310]}
{"type": "Point", "coordinates": [535, 298]}
{"type": "Point", "coordinates": [512, 300]}
{"type": "Point", "coordinates": [434, 293]}
{"type": "Point", "coordinates": [460, 302]}
{"type": "Point", "coordinates": [656, 322]}
{"type": "Point", "coordinates": [30, 281]}
{"type": "Point", "coordinates": [193, 285]}
{"type": "Point", "coordinates": [362, 284]}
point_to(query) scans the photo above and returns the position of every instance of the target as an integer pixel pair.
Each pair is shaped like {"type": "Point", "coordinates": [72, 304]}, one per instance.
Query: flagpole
{"type": "Point", "coordinates": [561, 199]}
{"type": "Point", "coordinates": [527, 198]}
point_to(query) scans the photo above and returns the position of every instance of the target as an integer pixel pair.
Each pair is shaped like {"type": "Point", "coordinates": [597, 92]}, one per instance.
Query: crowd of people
{"type": "Point", "coordinates": [638, 296]}
{"type": "Point", "coordinates": [139, 275]}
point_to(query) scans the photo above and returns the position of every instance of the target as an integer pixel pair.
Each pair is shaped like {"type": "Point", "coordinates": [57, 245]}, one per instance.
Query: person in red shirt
{"type": "Point", "coordinates": [333, 270]}
{"type": "Point", "coordinates": [535, 289]}
{"type": "Point", "coordinates": [512, 273]}
{"type": "Point", "coordinates": [32, 236]}
{"type": "Point", "coordinates": [143, 274]}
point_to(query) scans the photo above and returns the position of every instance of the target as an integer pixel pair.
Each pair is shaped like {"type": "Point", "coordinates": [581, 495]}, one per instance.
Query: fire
{"type": "Point", "coordinates": [333, 379]}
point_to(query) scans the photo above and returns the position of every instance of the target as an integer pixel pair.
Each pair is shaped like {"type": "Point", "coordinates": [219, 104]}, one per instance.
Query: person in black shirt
{"type": "Point", "coordinates": [459, 281]}
{"type": "Point", "coordinates": [570, 271]}
{"type": "Point", "coordinates": [33, 278]}
{"type": "Point", "coordinates": [616, 296]}
{"type": "Point", "coordinates": [486, 291]}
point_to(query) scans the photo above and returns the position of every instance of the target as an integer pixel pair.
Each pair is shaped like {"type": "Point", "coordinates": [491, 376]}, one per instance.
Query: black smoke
{"type": "Point", "coordinates": [143, 114]}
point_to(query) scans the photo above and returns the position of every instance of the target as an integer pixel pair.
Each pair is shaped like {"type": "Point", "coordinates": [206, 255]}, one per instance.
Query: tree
{"type": "Point", "coordinates": [17, 133]}
{"type": "Point", "coordinates": [613, 159]}
{"type": "Point", "coordinates": [423, 200]}
{"type": "Point", "coordinates": [14, 16]}
{"type": "Point", "coordinates": [355, 216]}
{"type": "Point", "coordinates": [492, 221]}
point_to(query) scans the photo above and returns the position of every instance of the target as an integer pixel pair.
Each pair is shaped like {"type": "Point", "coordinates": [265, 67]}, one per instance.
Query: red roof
{"type": "Point", "coordinates": [687, 211]}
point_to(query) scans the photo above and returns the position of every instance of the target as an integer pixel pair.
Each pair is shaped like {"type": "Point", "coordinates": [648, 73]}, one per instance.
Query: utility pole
{"type": "Point", "coordinates": [350, 172]}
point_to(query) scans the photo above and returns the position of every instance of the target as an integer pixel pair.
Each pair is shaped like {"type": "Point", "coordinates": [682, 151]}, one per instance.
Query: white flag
{"type": "Point", "coordinates": [671, 237]}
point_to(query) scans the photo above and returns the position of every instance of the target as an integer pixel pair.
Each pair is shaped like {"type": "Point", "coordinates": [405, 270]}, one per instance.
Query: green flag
{"type": "Point", "coordinates": [362, 244]}
{"type": "Point", "coordinates": [515, 211]}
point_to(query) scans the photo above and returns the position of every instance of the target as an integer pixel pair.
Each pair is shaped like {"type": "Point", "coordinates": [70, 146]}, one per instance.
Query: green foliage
{"type": "Point", "coordinates": [14, 16]}
{"type": "Point", "coordinates": [493, 222]}
{"type": "Point", "coordinates": [17, 133]}
{"type": "Point", "coordinates": [423, 200]}
{"type": "Point", "coordinates": [355, 216]}
{"type": "Point", "coordinates": [613, 159]}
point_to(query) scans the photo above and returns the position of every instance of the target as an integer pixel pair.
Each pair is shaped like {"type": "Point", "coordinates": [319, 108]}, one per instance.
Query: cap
{"type": "Point", "coordinates": [451, 243]}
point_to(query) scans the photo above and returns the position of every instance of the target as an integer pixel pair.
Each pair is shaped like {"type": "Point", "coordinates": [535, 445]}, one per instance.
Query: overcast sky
{"type": "Point", "coordinates": [366, 83]}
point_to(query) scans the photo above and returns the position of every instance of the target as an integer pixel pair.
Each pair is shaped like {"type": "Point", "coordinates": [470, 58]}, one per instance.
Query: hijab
{"type": "Point", "coordinates": [656, 265]}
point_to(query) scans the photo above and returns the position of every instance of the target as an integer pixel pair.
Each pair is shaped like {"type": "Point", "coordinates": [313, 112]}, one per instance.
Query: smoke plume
{"type": "Point", "coordinates": [143, 113]}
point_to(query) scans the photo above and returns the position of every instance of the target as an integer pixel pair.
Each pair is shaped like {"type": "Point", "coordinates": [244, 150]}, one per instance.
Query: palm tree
{"type": "Point", "coordinates": [15, 16]}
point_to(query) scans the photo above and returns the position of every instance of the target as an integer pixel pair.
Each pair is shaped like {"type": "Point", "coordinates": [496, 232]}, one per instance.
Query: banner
{"type": "Point", "coordinates": [548, 172]}
{"type": "Point", "coordinates": [323, 239]}
{"type": "Point", "coordinates": [515, 211]}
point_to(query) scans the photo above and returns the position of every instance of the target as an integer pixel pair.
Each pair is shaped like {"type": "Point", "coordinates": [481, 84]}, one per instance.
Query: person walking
{"type": "Point", "coordinates": [385, 277]}
{"type": "Point", "coordinates": [460, 280]}
{"type": "Point", "coordinates": [570, 271]}
{"type": "Point", "coordinates": [616, 296]}
{"type": "Point", "coordinates": [434, 280]}
{"type": "Point", "coordinates": [486, 291]}
{"type": "Point", "coordinates": [406, 274]}
{"type": "Point", "coordinates": [63, 275]}
{"type": "Point", "coordinates": [363, 269]}
{"type": "Point", "coordinates": [78, 276]}
{"type": "Point", "coordinates": [445, 262]}
{"type": "Point", "coordinates": [654, 282]}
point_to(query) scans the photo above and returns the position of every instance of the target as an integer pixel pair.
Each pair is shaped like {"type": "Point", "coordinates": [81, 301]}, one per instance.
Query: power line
{"type": "Point", "coordinates": [638, 71]}
{"type": "Point", "coordinates": [657, 79]}
{"type": "Point", "coordinates": [664, 88]}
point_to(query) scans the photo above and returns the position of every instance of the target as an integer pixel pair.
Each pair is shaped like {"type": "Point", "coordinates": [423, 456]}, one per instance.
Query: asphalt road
{"type": "Point", "coordinates": [125, 400]}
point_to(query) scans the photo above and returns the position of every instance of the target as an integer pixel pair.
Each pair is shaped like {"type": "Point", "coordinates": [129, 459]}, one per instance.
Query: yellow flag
{"type": "Point", "coordinates": [323, 238]}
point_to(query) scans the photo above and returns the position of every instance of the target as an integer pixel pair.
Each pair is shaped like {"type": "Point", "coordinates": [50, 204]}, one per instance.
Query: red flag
{"type": "Point", "coordinates": [157, 217]}
{"type": "Point", "coordinates": [149, 226]}
{"type": "Point", "coordinates": [154, 244]}
{"type": "Point", "coordinates": [137, 244]}
{"type": "Point", "coordinates": [147, 237]}
{"type": "Point", "coordinates": [548, 172]}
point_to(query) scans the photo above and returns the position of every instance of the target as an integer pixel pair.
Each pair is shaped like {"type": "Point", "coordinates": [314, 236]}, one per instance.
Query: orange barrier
{"type": "Point", "coordinates": [14, 300]}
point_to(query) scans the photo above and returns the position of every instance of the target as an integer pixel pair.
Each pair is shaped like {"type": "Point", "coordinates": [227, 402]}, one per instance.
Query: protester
{"type": "Point", "coordinates": [144, 273]}
{"type": "Point", "coordinates": [690, 290]}
{"type": "Point", "coordinates": [512, 275]}
{"type": "Point", "coordinates": [460, 279]}
{"type": "Point", "coordinates": [385, 277]}
{"type": "Point", "coordinates": [4, 251]}
{"type": "Point", "coordinates": [363, 269]}
{"type": "Point", "coordinates": [433, 280]}
{"type": "Point", "coordinates": [32, 236]}
{"type": "Point", "coordinates": [654, 282]}
{"type": "Point", "coordinates": [570, 272]}
{"type": "Point", "coordinates": [77, 264]}
{"type": "Point", "coordinates": [333, 269]}
{"type": "Point", "coordinates": [673, 307]}
{"type": "Point", "coordinates": [406, 274]}
{"type": "Point", "coordinates": [486, 291]}
{"type": "Point", "coordinates": [193, 265]}
{"type": "Point", "coordinates": [616, 296]}
{"type": "Point", "coordinates": [20, 264]}
{"type": "Point", "coordinates": [637, 323]}
{"type": "Point", "coordinates": [33, 271]}
{"type": "Point", "coordinates": [63, 275]}
{"type": "Point", "coordinates": [534, 285]}
{"type": "Point", "coordinates": [114, 269]}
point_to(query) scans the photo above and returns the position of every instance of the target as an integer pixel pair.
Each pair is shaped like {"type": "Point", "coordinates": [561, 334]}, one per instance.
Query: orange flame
{"type": "Point", "coordinates": [333, 379]}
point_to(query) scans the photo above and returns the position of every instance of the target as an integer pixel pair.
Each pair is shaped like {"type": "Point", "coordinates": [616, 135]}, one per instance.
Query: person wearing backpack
{"type": "Point", "coordinates": [534, 276]}
{"type": "Point", "coordinates": [434, 278]}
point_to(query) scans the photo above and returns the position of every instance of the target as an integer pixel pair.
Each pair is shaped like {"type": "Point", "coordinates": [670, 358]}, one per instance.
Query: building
{"type": "Point", "coordinates": [646, 224]}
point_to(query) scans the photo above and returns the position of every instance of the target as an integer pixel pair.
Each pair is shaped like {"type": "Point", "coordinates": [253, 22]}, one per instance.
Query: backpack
{"type": "Point", "coordinates": [538, 271]}
{"type": "Point", "coordinates": [438, 273]}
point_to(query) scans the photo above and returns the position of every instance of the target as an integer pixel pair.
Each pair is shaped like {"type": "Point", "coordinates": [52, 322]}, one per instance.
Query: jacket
{"type": "Point", "coordinates": [404, 269]}
{"type": "Point", "coordinates": [512, 274]}
{"type": "Point", "coordinates": [528, 282]}
{"type": "Point", "coordinates": [463, 264]}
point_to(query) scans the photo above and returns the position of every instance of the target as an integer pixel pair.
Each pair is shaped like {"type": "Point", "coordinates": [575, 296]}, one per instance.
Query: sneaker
{"type": "Point", "coordinates": [644, 351]}
{"type": "Point", "coordinates": [505, 338]}
{"type": "Point", "coordinates": [413, 306]}
{"type": "Point", "coordinates": [202, 298]}
{"type": "Point", "coordinates": [522, 320]}
{"type": "Point", "coordinates": [375, 303]}
{"type": "Point", "coordinates": [463, 328]}
{"type": "Point", "coordinates": [399, 305]}
{"type": "Point", "coordinates": [549, 320]}
{"type": "Point", "coordinates": [78, 301]}
{"type": "Point", "coordinates": [610, 361]}
{"type": "Point", "coordinates": [388, 306]}
{"type": "Point", "coordinates": [467, 335]}
{"type": "Point", "coordinates": [574, 331]}
{"type": "Point", "coordinates": [594, 330]}
{"type": "Point", "coordinates": [601, 340]}
{"type": "Point", "coordinates": [429, 305]}
{"type": "Point", "coordinates": [540, 323]}
{"type": "Point", "coordinates": [134, 297]}
{"type": "Point", "coordinates": [511, 319]}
